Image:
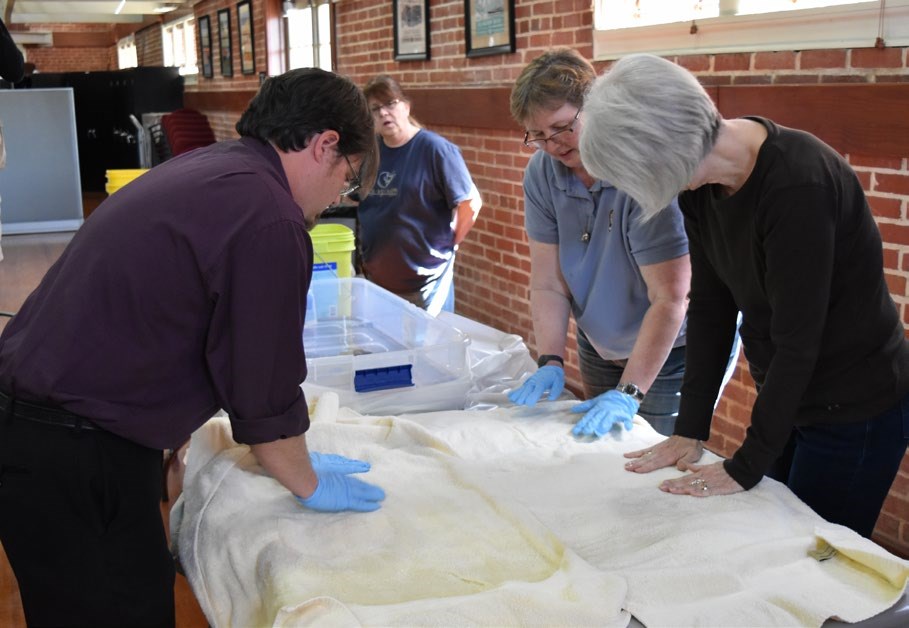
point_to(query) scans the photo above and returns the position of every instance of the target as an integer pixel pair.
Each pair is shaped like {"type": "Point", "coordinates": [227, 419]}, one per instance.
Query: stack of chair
{"type": "Point", "coordinates": [186, 129]}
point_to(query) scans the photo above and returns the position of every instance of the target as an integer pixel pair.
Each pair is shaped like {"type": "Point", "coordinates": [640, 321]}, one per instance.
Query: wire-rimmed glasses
{"type": "Point", "coordinates": [352, 184]}
{"type": "Point", "coordinates": [539, 143]}
{"type": "Point", "coordinates": [377, 109]}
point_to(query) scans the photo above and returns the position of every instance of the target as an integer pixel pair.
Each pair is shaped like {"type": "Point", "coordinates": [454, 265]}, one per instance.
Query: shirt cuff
{"type": "Point", "coordinates": [293, 422]}
{"type": "Point", "coordinates": [748, 465]}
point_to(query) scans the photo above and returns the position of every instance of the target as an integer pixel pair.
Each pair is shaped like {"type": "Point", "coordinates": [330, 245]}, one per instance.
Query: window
{"type": "Point", "coordinates": [126, 53]}
{"type": "Point", "coordinates": [178, 39]}
{"type": "Point", "coordinates": [668, 27]}
{"type": "Point", "coordinates": [309, 31]}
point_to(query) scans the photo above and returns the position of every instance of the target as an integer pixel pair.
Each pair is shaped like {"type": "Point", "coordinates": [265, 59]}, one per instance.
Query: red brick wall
{"type": "Point", "coordinates": [493, 272]}
{"type": "Point", "coordinates": [221, 121]}
{"type": "Point", "coordinates": [103, 56]}
{"type": "Point", "coordinates": [493, 268]}
{"type": "Point", "coordinates": [149, 50]}
{"type": "Point", "coordinates": [71, 59]}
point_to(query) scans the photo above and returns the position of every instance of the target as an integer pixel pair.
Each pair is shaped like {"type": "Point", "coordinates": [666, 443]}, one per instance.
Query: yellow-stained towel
{"type": "Point", "coordinates": [502, 518]}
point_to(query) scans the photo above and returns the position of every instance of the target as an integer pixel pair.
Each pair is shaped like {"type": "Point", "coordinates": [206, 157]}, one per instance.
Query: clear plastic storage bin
{"type": "Point", "coordinates": [379, 353]}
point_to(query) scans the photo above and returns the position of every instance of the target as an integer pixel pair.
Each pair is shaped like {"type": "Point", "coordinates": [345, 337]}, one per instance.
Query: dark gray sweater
{"type": "Point", "coordinates": [797, 251]}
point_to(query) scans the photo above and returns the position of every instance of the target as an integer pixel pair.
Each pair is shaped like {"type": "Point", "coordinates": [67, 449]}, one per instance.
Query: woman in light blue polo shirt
{"type": "Point", "coordinates": [625, 279]}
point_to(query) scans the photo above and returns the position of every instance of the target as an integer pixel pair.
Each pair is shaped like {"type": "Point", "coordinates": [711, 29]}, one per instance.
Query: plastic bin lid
{"type": "Point", "coordinates": [331, 232]}
{"type": "Point", "coordinates": [129, 172]}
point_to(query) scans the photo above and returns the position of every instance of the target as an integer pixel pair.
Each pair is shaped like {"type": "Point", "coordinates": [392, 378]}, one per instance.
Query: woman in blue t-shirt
{"type": "Point", "coordinates": [421, 207]}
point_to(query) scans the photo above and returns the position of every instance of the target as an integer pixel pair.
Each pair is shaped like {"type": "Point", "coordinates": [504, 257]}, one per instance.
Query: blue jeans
{"type": "Point", "coordinates": [844, 471]}
{"type": "Point", "coordinates": [661, 404]}
{"type": "Point", "coordinates": [436, 296]}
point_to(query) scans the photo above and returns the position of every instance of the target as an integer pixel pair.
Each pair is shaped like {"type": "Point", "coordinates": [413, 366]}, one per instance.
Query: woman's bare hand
{"type": "Point", "coordinates": [704, 481]}
{"type": "Point", "coordinates": [674, 451]}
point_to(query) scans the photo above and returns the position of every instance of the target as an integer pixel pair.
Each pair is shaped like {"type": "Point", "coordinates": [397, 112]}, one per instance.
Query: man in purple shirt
{"type": "Point", "coordinates": [183, 294]}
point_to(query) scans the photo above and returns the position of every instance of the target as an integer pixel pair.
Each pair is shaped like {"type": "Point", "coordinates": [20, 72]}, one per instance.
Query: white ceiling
{"type": "Point", "coordinates": [81, 11]}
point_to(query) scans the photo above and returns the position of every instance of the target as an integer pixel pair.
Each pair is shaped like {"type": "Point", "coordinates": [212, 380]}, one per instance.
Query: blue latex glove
{"type": "Point", "coordinates": [603, 412]}
{"type": "Point", "coordinates": [337, 492]}
{"type": "Point", "coordinates": [333, 463]}
{"type": "Point", "coordinates": [549, 377]}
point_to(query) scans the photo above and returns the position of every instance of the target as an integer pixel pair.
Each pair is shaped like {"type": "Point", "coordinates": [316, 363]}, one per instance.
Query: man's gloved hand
{"type": "Point", "coordinates": [337, 492]}
{"type": "Point", "coordinates": [549, 377]}
{"type": "Point", "coordinates": [603, 412]}
{"type": "Point", "coordinates": [333, 463]}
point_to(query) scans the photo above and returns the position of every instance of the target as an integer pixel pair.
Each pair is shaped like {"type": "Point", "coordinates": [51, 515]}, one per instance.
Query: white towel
{"type": "Point", "coordinates": [502, 518]}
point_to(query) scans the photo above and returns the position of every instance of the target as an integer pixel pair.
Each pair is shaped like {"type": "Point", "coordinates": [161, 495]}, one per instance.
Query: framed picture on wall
{"type": "Point", "coordinates": [245, 37]}
{"type": "Point", "coordinates": [490, 27]}
{"type": "Point", "coordinates": [205, 46]}
{"type": "Point", "coordinates": [227, 60]}
{"type": "Point", "coordinates": [411, 21]}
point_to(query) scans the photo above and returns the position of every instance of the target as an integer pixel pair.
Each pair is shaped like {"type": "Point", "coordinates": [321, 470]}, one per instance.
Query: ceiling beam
{"type": "Point", "coordinates": [89, 11]}
{"type": "Point", "coordinates": [73, 18]}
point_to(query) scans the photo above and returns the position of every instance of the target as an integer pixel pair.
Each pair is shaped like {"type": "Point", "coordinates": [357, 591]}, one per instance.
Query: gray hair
{"type": "Point", "coordinates": [648, 123]}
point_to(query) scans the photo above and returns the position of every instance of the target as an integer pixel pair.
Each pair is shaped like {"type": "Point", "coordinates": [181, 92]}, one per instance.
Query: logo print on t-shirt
{"type": "Point", "coordinates": [385, 178]}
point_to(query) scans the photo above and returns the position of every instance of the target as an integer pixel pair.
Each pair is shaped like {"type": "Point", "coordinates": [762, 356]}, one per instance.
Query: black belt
{"type": "Point", "coordinates": [43, 414]}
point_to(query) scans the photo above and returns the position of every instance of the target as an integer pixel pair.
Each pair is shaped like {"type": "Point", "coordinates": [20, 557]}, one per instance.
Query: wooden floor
{"type": "Point", "coordinates": [26, 259]}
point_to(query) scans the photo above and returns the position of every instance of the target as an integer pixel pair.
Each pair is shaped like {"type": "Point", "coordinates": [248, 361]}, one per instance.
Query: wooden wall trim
{"type": "Point", "coordinates": [865, 120]}
{"type": "Point", "coordinates": [479, 108]}
{"type": "Point", "coordinates": [868, 119]}
{"type": "Point", "coordinates": [92, 39]}
{"type": "Point", "coordinates": [234, 100]}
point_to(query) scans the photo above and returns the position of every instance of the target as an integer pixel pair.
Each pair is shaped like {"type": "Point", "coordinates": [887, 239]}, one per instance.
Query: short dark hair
{"type": "Point", "coordinates": [291, 108]}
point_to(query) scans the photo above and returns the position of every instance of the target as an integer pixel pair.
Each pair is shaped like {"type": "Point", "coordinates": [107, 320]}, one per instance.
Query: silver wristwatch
{"type": "Point", "coordinates": [630, 389]}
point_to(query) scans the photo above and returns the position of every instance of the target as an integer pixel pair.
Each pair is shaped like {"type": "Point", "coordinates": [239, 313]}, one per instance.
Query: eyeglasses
{"type": "Point", "coordinates": [352, 184]}
{"type": "Point", "coordinates": [540, 142]}
{"type": "Point", "coordinates": [377, 109]}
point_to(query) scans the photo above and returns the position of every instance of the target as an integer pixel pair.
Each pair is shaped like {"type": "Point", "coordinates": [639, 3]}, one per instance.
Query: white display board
{"type": "Point", "coordinates": [39, 188]}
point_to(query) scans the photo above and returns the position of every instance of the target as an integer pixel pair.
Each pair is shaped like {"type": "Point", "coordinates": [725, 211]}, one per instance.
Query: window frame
{"type": "Point", "coordinates": [188, 44]}
{"type": "Point", "coordinates": [126, 43]}
{"type": "Point", "coordinates": [315, 44]}
{"type": "Point", "coordinates": [837, 27]}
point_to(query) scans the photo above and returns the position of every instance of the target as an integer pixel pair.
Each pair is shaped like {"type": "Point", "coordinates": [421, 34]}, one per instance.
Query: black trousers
{"type": "Point", "coordinates": [80, 521]}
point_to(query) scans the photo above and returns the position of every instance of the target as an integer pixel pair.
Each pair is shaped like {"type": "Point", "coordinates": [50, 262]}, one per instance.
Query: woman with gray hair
{"type": "Point", "coordinates": [625, 279]}
{"type": "Point", "coordinates": [779, 229]}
